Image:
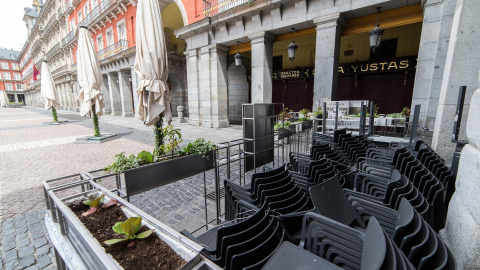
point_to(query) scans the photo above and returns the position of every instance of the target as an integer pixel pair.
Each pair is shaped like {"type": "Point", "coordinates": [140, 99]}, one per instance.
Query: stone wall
{"type": "Point", "coordinates": [462, 230]}
{"type": "Point", "coordinates": [237, 92]}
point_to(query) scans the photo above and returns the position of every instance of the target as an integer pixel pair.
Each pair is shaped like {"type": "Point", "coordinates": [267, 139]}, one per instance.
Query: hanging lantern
{"type": "Point", "coordinates": [238, 56]}
{"type": "Point", "coordinates": [292, 48]}
{"type": "Point", "coordinates": [376, 34]}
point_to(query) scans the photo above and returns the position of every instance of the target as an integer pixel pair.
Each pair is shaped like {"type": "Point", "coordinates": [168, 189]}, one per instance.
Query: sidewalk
{"type": "Point", "coordinates": [32, 151]}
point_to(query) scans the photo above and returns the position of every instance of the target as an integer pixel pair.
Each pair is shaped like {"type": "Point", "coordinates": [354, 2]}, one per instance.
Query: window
{"type": "Point", "coordinates": [79, 16]}
{"type": "Point", "coordinates": [99, 42]}
{"type": "Point", "coordinates": [0, 75]}
{"type": "Point", "coordinates": [15, 66]}
{"type": "Point", "coordinates": [4, 65]}
{"type": "Point", "coordinates": [17, 76]}
{"type": "Point", "coordinates": [277, 62]}
{"type": "Point", "coordinates": [86, 9]}
{"type": "Point", "coordinates": [19, 86]}
{"type": "Point", "coordinates": [6, 75]}
{"type": "Point", "coordinates": [110, 40]}
{"type": "Point", "coordinates": [9, 86]}
{"type": "Point", "coordinates": [122, 31]}
{"type": "Point", "coordinates": [72, 24]}
{"type": "Point", "coordinates": [94, 3]}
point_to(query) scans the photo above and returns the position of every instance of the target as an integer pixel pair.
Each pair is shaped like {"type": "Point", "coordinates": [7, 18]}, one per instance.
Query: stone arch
{"type": "Point", "coordinates": [237, 92]}
{"type": "Point", "coordinates": [182, 9]}
{"type": "Point", "coordinates": [178, 94]}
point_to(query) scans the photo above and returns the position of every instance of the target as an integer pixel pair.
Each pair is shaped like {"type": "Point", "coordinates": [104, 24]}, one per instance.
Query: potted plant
{"type": "Point", "coordinates": [306, 122]}
{"type": "Point", "coordinates": [149, 170]}
{"type": "Point", "coordinates": [318, 113]}
{"type": "Point", "coordinates": [283, 129]}
{"type": "Point", "coordinates": [84, 238]}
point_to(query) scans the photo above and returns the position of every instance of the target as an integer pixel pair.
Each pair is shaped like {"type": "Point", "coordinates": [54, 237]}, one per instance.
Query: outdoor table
{"type": "Point", "coordinates": [290, 256]}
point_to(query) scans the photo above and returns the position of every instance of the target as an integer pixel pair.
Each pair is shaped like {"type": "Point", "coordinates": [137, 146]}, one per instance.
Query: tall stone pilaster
{"type": "Point", "coordinates": [461, 68]}
{"type": "Point", "coordinates": [218, 96]}
{"type": "Point", "coordinates": [262, 51]}
{"type": "Point", "coordinates": [193, 87]}
{"type": "Point", "coordinates": [329, 30]}
{"type": "Point", "coordinates": [115, 98]}
{"type": "Point", "coordinates": [106, 96]}
{"type": "Point", "coordinates": [125, 94]}
{"type": "Point", "coordinates": [135, 84]}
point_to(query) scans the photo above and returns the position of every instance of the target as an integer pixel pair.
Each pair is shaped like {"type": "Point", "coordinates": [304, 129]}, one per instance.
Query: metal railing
{"type": "Point", "coordinates": [171, 47]}
{"type": "Point", "coordinates": [113, 49]}
{"type": "Point", "coordinates": [29, 72]}
{"type": "Point", "coordinates": [50, 23]}
{"type": "Point", "coordinates": [69, 37]}
{"type": "Point", "coordinates": [53, 50]}
{"type": "Point", "coordinates": [101, 7]}
{"type": "Point", "coordinates": [214, 7]}
{"type": "Point", "coordinates": [35, 45]}
{"type": "Point", "coordinates": [72, 67]}
{"type": "Point", "coordinates": [68, 6]}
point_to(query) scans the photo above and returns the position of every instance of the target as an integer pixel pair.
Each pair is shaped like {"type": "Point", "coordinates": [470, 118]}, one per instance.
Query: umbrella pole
{"type": "Point", "coordinates": [158, 135]}
{"type": "Point", "coordinates": [54, 114]}
{"type": "Point", "coordinates": [96, 129]}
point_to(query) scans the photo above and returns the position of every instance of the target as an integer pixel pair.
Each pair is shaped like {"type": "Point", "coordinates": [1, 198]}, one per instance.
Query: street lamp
{"type": "Point", "coordinates": [376, 34]}
{"type": "Point", "coordinates": [292, 48]}
{"type": "Point", "coordinates": [238, 56]}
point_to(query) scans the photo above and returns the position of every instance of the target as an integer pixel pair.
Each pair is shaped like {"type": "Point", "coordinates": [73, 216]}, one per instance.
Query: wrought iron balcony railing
{"type": "Point", "coordinates": [99, 9]}
{"type": "Point", "coordinates": [113, 49]}
{"type": "Point", "coordinates": [58, 70]}
{"type": "Point", "coordinates": [53, 50]}
{"type": "Point", "coordinates": [50, 23]}
{"type": "Point", "coordinates": [214, 7]}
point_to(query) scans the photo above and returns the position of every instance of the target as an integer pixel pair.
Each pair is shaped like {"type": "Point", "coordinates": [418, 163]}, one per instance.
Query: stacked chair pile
{"type": "Point", "coordinates": [348, 204]}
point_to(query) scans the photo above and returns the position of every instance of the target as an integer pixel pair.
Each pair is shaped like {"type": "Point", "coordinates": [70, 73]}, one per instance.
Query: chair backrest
{"type": "Point", "coordinates": [268, 173]}
{"type": "Point", "coordinates": [337, 133]}
{"type": "Point", "coordinates": [374, 246]}
{"type": "Point", "coordinates": [329, 200]}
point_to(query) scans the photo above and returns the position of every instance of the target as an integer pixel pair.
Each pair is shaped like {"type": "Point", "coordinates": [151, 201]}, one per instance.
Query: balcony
{"type": "Point", "coordinates": [99, 9]}
{"type": "Point", "coordinates": [69, 37]}
{"type": "Point", "coordinates": [53, 50]}
{"type": "Point", "coordinates": [36, 45]}
{"type": "Point", "coordinates": [73, 67]}
{"type": "Point", "coordinates": [69, 7]}
{"type": "Point", "coordinates": [112, 49]}
{"type": "Point", "coordinates": [59, 70]}
{"type": "Point", "coordinates": [214, 7]}
{"type": "Point", "coordinates": [25, 75]}
{"type": "Point", "coordinates": [50, 23]}
{"type": "Point", "coordinates": [60, 12]}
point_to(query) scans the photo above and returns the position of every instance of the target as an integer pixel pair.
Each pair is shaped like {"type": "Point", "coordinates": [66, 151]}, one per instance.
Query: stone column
{"type": "Point", "coordinates": [461, 68]}
{"type": "Point", "coordinates": [218, 95]}
{"type": "Point", "coordinates": [106, 96]}
{"type": "Point", "coordinates": [115, 98]}
{"type": "Point", "coordinates": [16, 98]}
{"type": "Point", "coordinates": [59, 94]}
{"type": "Point", "coordinates": [125, 94]}
{"type": "Point", "coordinates": [463, 221]}
{"type": "Point", "coordinates": [135, 84]}
{"type": "Point", "coordinates": [438, 16]}
{"type": "Point", "coordinates": [329, 30]}
{"type": "Point", "coordinates": [262, 50]}
{"type": "Point", "coordinates": [193, 87]}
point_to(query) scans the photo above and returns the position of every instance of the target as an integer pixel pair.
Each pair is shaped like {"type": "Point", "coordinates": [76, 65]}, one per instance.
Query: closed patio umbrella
{"type": "Point", "coordinates": [151, 63]}
{"type": "Point", "coordinates": [90, 78]}
{"type": "Point", "coordinates": [47, 89]}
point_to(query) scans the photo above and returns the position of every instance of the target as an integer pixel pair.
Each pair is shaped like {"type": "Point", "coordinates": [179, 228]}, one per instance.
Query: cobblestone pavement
{"type": "Point", "coordinates": [32, 151]}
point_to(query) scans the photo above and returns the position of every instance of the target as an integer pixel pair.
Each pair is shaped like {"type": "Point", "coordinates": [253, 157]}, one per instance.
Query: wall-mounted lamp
{"type": "Point", "coordinates": [376, 34]}
{"type": "Point", "coordinates": [292, 48]}
{"type": "Point", "coordinates": [238, 56]}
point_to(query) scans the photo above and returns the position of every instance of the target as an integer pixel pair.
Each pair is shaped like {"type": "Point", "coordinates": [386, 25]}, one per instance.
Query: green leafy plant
{"type": "Point", "coordinates": [122, 163]}
{"type": "Point", "coordinates": [97, 203]}
{"type": "Point", "coordinates": [280, 125]}
{"type": "Point", "coordinates": [130, 229]}
{"type": "Point", "coordinates": [406, 111]}
{"type": "Point", "coordinates": [304, 113]}
{"type": "Point", "coordinates": [375, 109]}
{"type": "Point", "coordinates": [96, 129]}
{"type": "Point", "coordinates": [173, 139]}
{"type": "Point", "coordinates": [285, 114]}
{"type": "Point", "coordinates": [54, 114]}
{"type": "Point", "coordinates": [144, 157]}
{"type": "Point", "coordinates": [318, 112]}
{"type": "Point", "coordinates": [199, 146]}
{"type": "Point", "coordinates": [395, 115]}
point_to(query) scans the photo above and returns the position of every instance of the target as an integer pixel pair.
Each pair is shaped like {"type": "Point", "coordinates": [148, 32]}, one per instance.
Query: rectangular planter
{"type": "Point", "coordinates": [150, 176]}
{"type": "Point", "coordinates": [307, 124]}
{"type": "Point", "coordinates": [78, 249]}
{"type": "Point", "coordinates": [283, 133]}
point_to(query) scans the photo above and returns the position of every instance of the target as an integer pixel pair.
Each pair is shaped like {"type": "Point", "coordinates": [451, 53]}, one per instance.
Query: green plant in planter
{"type": "Point", "coordinates": [395, 115]}
{"type": "Point", "coordinates": [406, 112]}
{"type": "Point", "coordinates": [145, 157]}
{"type": "Point", "coordinates": [122, 163]}
{"type": "Point", "coordinates": [129, 228]}
{"type": "Point", "coordinates": [304, 114]}
{"type": "Point", "coordinates": [173, 139]}
{"type": "Point", "coordinates": [318, 113]}
{"type": "Point", "coordinates": [199, 146]}
{"type": "Point", "coordinates": [96, 204]}
{"type": "Point", "coordinates": [280, 125]}
{"type": "Point", "coordinates": [285, 114]}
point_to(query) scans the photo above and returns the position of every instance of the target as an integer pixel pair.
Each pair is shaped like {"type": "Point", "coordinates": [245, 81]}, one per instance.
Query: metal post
{"type": "Point", "coordinates": [459, 113]}
{"type": "Point", "coordinates": [205, 198]}
{"type": "Point", "coordinates": [228, 160]}
{"type": "Point", "coordinates": [372, 118]}
{"type": "Point", "coordinates": [336, 115]}
{"type": "Point", "coordinates": [324, 120]}
{"type": "Point", "coordinates": [416, 115]}
{"type": "Point", "coordinates": [362, 117]}
{"type": "Point", "coordinates": [217, 190]}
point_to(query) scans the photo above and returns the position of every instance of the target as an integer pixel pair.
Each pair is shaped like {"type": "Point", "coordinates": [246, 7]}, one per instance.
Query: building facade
{"type": "Point", "coordinates": [52, 37]}
{"type": "Point", "coordinates": [11, 76]}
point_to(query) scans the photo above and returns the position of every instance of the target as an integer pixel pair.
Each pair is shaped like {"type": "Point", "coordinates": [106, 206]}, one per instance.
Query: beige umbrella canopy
{"type": "Point", "coordinates": [89, 75]}
{"type": "Point", "coordinates": [47, 88]}
{"type": "Point", "coordinates": [151, 63]}
{"type": "Point", "coordinates": [3, 98]}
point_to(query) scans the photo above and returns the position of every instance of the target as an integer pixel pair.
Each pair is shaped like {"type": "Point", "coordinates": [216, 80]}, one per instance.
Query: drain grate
{"type": "Point", "coordinates": [211, 195]}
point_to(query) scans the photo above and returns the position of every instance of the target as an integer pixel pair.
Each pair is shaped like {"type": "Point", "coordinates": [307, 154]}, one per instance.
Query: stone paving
{"type": "Point", "coordinates": [32, 151]}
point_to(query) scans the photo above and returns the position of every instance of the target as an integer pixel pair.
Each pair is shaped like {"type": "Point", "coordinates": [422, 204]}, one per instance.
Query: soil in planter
{"type": "Point", "coordinates": [148, 253]}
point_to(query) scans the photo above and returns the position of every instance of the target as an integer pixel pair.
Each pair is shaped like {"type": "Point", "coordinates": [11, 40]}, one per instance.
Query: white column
{"type": "Point", "coordinates": [135, 84]}
{"type": "Point", "coordinates": [115, 98]}
{"type": "Point", "coordinates": [125, 94]}
{"type": "Point", "coordinates": [329, 30]}
{"type": "Point", "coordinates": [218, 95]}
{"type": "Point", "coordinates": [262, 50]}
{"type": "Point", "coordinates": [193, 87]}
{"type": "Point", "coordinates": [106, 96]}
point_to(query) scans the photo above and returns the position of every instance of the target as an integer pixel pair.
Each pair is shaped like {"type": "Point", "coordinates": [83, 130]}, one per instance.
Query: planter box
{"type": "Point", "coordinates": [147, 177]}
{"type": "Point", "coordinates": [283, 133]}
{"type": "Point", "coordinates": [76, 248]}
{"type": "Point", "coordinates": [307, 124]}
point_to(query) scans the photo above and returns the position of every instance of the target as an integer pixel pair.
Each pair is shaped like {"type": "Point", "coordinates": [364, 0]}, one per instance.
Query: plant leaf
{"type": "Point", "coordinates": [88, 202]}
{"type": "Point", "coordinates": [98, 201]}
{"type": "Point", "coordinates": [89, 212]}
{"type": "Point", "coordinates": [132, 225]}
{"type": "Point", "coordinates": [144, 234]}
{"type": "Point", "coordinates": [118, 228]}
{"type": "Point", "coordinates": [114, 241]}
{"type": "Point", "coordinates": [109, 203]}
